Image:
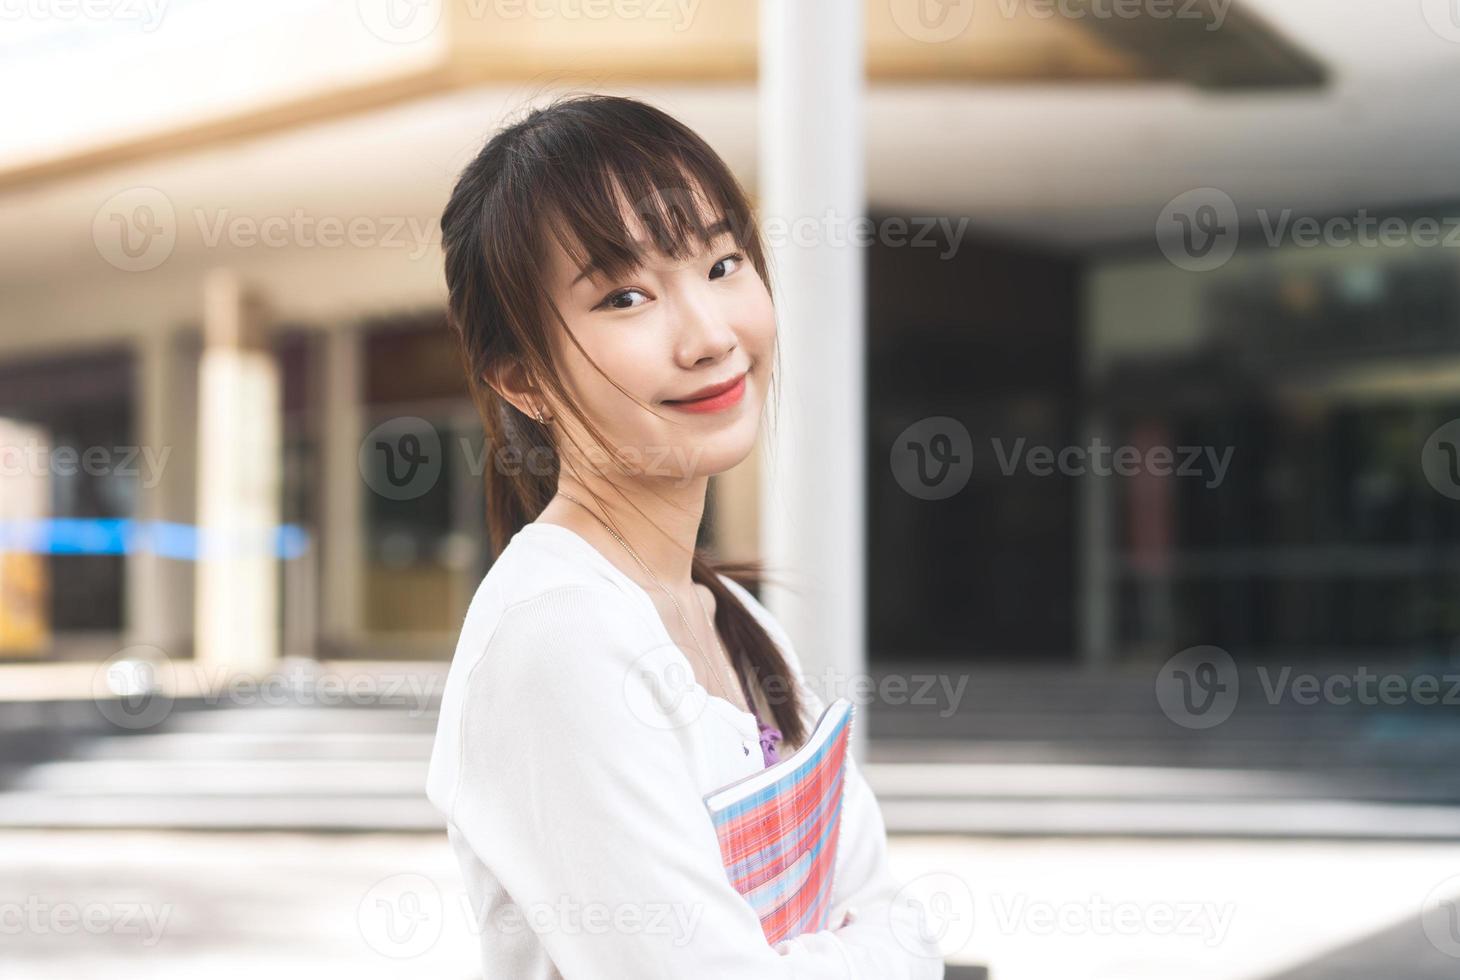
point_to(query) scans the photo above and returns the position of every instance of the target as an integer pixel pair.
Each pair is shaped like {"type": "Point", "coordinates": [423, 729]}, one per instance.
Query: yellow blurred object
{"type": "Point", "coordinates": [412, 598]}
{"type": "Point", "coordinates": [24, 581]}
{"type": "Point", "coordinates": [24, 628]}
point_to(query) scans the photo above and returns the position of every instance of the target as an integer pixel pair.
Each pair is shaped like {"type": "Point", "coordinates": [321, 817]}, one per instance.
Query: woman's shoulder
{"type": "Point", "coordinates": [536, 609]}
{"type": "Point", "coordinates": [541, 559]}
{"type": "Point", "coordinates": [546, 647]}
{"type": "Point", "coordinates": [544, 605]}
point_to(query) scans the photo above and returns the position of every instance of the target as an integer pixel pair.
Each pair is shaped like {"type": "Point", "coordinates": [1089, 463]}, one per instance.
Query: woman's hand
{"type": "Point", "coordinates": [847, 919]}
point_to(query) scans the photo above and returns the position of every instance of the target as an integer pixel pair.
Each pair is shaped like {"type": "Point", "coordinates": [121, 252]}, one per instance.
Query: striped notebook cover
{"type": "Point", "coordinates": [778, 829]}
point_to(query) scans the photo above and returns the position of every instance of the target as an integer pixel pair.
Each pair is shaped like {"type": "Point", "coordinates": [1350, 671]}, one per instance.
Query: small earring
{"type": "Point", "coordinates": [537, 413]}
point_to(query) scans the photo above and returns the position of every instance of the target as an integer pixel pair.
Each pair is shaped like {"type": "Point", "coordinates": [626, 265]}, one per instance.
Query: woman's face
{"type": "Point", "coordinates": [666, 332]}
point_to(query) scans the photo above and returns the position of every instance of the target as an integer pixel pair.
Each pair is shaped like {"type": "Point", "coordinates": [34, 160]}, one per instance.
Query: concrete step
{"type": "Point", "coordinates": [226, 745]}
{"type": "Point", "coordinates": [365, 768]}
{"type": "Point", "coordinates": [186, 811]}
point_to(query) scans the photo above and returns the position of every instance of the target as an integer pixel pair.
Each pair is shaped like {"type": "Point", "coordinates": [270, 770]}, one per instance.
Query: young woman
{"type": "Point", "coordinates": [609, 291]}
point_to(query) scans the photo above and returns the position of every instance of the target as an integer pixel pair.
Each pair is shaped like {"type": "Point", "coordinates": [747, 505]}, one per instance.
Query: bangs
{"type": "Point", "coordinates": [619, 198]}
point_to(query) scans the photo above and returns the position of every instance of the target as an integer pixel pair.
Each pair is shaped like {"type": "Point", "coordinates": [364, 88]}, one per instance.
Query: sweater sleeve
{"type": "Point", "coordinates": [888, 937]}
{"type": "Point", "coordinates": [573, 786]}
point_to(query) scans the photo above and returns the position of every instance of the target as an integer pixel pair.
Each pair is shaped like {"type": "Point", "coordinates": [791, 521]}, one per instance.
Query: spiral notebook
{"type": "Point", "coordinates": [778, 829]}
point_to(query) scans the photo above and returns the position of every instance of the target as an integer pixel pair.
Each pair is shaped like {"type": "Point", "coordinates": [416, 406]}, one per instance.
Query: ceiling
{"type": "Point", "coordinates": [1077, 167]}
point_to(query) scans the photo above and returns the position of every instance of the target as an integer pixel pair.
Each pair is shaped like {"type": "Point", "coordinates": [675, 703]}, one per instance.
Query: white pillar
{"type": "Point", "coordinates": [813, 478]}
{"type": "Point", "coordinates": [240, 464]}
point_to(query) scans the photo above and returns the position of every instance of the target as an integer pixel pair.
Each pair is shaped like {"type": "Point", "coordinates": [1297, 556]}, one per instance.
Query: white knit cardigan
{"type": "Point", "coordinates": [573, 794]}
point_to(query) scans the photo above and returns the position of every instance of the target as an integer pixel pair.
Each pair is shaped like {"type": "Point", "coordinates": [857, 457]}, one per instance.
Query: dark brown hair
{"type": "Point", "coordinates": [564, 172]}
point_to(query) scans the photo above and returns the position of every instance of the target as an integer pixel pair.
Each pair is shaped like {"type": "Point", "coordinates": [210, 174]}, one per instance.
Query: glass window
{"type": "Point", "coordinates": [424, 509]}
{"type": "Point", "coordinates": [70, 450]}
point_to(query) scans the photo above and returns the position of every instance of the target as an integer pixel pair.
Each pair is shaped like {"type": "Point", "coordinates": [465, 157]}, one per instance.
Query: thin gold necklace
{"type": "Point", "coordinates": [635, 555]}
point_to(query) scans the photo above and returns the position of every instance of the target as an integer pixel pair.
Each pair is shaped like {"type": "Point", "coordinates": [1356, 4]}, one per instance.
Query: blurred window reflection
{"type": "Point", "coordinates": [80, 408]}
{"type": "Point", "coordinates": [425, 552]}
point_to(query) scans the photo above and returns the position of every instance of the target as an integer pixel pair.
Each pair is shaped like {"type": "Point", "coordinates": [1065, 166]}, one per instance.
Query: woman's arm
{"type": "Point", "coordinates": [887, 939]}
{"type": "Point", "coordinates": [573, 788]}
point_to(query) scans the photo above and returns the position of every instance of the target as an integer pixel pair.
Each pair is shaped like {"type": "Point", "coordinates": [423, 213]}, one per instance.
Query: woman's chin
{"type": "Point", "coordinates": [708, 457]}
{"type": "Point", "coordinates": [728, 449]}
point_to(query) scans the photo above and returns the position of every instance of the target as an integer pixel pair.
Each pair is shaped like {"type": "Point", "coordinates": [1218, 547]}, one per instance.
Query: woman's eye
{"type": "Point", "coordinates": [733, 263]}
{"type": "Point", "coordinates": [619, 300]}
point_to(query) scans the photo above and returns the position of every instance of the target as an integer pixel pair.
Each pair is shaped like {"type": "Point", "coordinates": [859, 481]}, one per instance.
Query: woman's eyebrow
{"type": "Point", "coordinates": [714, 231]}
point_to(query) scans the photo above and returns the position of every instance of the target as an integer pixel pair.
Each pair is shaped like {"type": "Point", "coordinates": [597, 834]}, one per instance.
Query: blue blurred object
{"type": "Point", "coordinates": [120, 535]}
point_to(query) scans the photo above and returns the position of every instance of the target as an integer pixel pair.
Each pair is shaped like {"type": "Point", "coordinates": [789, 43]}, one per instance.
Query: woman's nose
{"type": "Point", "coordinates": [705, 334]}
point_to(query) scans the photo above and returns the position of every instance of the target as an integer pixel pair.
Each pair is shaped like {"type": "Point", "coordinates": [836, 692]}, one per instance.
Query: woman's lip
{"type": "Point", "coordinates": [714, 403]}
{"type": "Point", "coordinates": [709, 391]}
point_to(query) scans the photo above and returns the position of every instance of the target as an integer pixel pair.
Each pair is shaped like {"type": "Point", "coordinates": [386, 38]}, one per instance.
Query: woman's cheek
{"type": "Point", "coordinates": [757, 317]}
{"type": "Point", "coordinates": [625, 359]}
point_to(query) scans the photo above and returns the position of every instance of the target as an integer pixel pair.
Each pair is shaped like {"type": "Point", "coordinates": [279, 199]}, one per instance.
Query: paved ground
{"type": "Point", "coordinates": [163, 905]}
{"type": "Point", "coordinates": [1055, 829]}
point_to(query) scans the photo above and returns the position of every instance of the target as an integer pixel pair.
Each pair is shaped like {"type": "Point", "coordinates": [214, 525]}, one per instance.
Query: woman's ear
{"type": "Point", "coordinates": [512, 380]}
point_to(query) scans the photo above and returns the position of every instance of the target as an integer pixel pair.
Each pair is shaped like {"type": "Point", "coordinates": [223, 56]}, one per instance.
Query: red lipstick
{"type": "Point", "coordinates": [715, 398]}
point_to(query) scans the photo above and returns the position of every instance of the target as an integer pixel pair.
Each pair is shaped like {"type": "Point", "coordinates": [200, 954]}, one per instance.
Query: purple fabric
{"type": "Point", "coordinates": [769, 735]}
{"type": "Point", "coordinates": [768, 738]}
